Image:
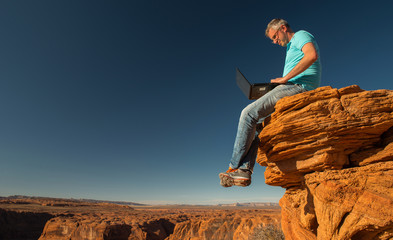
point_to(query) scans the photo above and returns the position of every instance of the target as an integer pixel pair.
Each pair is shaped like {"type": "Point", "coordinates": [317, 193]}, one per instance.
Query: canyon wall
{"type": "Point", "coordinates": [105, 227]}
{"type": "Point", "coordinates": [332, 150]}
{"type": "Point", "coordinates": [239, 225]}
{"type": "Point", "coordinates": [195, 225]}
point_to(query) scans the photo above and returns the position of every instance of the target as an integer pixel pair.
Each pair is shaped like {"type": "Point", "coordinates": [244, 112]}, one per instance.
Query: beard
{"type": "Point", "coordinates": [284, 41]}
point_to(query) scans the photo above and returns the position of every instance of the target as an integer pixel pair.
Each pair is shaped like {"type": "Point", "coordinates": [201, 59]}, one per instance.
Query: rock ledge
{"type": "Point", "coordinates": [332, 149]}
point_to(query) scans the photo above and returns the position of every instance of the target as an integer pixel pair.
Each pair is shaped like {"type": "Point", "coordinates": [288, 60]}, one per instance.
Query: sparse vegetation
{"type": "Point", "coordinates": [268, 232]}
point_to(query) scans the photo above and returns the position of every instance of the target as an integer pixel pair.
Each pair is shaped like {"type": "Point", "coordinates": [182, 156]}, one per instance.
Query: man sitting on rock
{"type": "Point", "coordinates": [302, 72]}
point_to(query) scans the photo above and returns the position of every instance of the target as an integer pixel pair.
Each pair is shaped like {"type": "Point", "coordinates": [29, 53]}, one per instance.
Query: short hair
{"type": "Point", "coordinates": [275, 24]}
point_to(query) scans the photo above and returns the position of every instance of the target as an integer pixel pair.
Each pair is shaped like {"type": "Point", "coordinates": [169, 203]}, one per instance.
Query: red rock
{"type": "Point", "coordinates": [332, 149]}
{"type": "Point", "coordinates": [239, 226]}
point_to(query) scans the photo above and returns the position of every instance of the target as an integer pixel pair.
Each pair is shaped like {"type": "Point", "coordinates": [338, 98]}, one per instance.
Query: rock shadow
{"type": "Point", "coordinates": [22, 225]}
{"type": "Point", "coordinates": [158, 229]}
{"type": "Point", "coordinates": [117, 232]}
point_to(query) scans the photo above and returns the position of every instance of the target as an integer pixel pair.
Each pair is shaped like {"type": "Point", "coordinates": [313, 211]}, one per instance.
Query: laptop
{"type": "Point", "coordinates": [253, 91]}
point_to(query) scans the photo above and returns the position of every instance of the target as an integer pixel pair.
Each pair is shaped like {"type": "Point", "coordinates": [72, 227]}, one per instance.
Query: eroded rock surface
{"type": "Point", "coordinates": [332, 150]}
{"type": "Point", "coordinates": [159, 225]}
{"type": "Point", "coordinates": [230, 225]}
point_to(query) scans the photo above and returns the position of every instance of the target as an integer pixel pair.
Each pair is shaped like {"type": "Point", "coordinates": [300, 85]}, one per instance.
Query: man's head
{"type": "Point", "coordinates": [279, 31]}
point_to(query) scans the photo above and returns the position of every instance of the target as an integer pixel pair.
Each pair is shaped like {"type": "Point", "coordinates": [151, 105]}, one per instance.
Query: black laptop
{"type": "Point", "coordinates": [253, 91]}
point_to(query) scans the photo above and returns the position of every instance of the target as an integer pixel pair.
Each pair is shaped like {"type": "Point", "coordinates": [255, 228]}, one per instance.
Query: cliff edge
{"type": "Point", "coordinates": [332, 149]}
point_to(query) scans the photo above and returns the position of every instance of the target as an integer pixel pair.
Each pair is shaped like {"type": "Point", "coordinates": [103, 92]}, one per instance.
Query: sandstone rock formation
{"type": "Point", "coordinates": [106, 227]}
{"type": "Point", "coordinates": [160, 225]}
{"type": "Point", "coordinates": [332, 149]}
{"type": "Point", "coordinates": [237, 225]}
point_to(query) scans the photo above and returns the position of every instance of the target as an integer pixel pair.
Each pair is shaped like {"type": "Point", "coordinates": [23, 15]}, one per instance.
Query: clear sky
{"type": "Point", "coordinates": [137, 101]}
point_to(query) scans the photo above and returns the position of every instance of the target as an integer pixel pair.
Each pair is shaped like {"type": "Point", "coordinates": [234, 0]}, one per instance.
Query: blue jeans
{"type": "Point", "coordinates": [246, 143]}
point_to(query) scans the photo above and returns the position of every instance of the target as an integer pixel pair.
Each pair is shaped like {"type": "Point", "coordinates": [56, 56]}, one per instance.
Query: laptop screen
{"type": "Point", "coordinates": [243, 83]}
{"type": "Point", "coordinates": [253, 91]}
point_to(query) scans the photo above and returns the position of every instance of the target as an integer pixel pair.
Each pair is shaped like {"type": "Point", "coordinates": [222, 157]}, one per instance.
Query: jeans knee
{"type": "Point", "coordinates": [248, 115]}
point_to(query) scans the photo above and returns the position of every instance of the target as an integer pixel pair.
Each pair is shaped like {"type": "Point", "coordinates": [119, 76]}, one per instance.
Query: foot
{"type": "Point", "coordinates": [237, 177]}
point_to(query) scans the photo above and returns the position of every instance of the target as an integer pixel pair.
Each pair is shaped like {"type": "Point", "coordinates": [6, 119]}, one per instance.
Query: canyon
{"type": "Point", "coordinates": [48, 218]}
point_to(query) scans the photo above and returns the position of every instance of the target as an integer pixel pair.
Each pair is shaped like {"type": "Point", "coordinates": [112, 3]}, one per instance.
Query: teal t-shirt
{"type": "Point", "coordinates": [311, 77]}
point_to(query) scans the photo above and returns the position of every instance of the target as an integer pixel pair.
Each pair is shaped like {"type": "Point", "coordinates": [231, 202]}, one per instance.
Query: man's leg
{"type": "Point", "coordinates": [248, 161]}
{"type": "Point", "coordinates": [242, 175]}
{"type": "Point", "coordinates": [243, 157]}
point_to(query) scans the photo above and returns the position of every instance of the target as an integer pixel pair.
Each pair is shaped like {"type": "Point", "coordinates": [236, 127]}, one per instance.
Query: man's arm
{"type": "Point", "coordinates": [310, 56]}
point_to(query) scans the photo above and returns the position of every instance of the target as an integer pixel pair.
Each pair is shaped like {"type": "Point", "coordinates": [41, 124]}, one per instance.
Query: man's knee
{"type": "Point", "coordinates": [248, 113]}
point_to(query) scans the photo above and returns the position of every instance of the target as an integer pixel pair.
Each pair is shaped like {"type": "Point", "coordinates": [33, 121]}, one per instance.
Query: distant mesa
{"type": "Point", "coordinates": [252, 204]}
{"type": "Point", "coordinates": [48, 201]}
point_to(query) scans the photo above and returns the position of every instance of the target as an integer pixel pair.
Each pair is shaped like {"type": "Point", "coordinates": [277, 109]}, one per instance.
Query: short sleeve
{"type": "Point", "coordinates": [302, 38]}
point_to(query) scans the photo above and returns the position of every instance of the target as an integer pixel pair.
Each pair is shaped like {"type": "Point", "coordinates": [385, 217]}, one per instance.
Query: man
{"type": "Point", "coordinates": [302, 72]}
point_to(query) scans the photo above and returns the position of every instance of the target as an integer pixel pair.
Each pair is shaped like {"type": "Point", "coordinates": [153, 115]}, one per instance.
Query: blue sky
{"type": "Point", "coordinates": [137, 101]}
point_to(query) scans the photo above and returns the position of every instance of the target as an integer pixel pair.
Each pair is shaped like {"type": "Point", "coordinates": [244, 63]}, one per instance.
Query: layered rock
{"type": "Point", "coordinates": [214, 225]}
{"type": "Point", "coordinates": [96, 227]}
{"type": "Point", "coordinates": [239, 226]}
{"type": "Point", "coordinates": [332, 149]}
